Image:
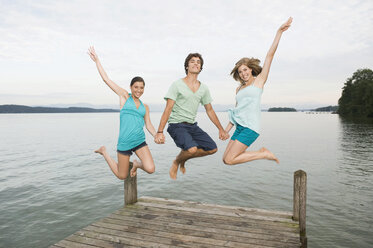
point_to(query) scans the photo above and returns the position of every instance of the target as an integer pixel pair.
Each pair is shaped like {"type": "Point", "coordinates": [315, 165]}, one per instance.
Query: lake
{"type": "Point", "coordinates": [52, 184]}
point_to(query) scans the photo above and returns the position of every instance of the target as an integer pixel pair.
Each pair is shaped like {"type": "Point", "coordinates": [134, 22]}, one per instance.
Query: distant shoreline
{"type": "Point", "coordinates": [22, 109]}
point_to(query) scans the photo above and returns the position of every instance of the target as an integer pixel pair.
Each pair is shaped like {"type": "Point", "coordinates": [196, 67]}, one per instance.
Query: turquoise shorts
{"type": "Point", "coordinates": [244, 135]}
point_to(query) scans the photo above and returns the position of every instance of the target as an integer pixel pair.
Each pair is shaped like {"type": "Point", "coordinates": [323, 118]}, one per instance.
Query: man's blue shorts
{"type": "Point", "coordinates": [244, 135]}
{"type": "Point", "coordinates": [186, 135]}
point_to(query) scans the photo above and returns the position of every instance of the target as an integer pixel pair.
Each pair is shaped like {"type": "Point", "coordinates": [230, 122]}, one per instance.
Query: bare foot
{"type": "Point", "coordinates": [101, 150]}
{"type": "Point", "coordinates": [269, 155]}
{"type": "Point", "coordinates": [135, 165]}
{"type": "Point", "coordinates": [173, 169]}
{"type": "Point", "coordinates": [182, 167]}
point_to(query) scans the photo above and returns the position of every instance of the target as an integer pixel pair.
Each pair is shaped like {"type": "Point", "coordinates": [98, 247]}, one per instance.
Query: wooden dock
{"type": "Point", "coordinates": [158, 222]}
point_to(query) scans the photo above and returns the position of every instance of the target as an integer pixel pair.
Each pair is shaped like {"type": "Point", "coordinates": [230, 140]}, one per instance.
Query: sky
{"type": "Point", "coordinates": [44, 61]}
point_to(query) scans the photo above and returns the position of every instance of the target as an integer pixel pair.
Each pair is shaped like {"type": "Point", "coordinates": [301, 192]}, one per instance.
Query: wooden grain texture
{"type": "Point", "coordinates": [130, 188]}
{"type": "Point", "coordinates": [302, 208]}
{"type": "Point", "coordinates": [157, 222]}
{"type": "Point", "coordinates": [296, 188]}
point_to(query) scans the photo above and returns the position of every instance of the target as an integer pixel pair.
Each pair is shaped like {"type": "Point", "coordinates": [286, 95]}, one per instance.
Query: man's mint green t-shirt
{"type": "Point", "coordinates": [186, 101]}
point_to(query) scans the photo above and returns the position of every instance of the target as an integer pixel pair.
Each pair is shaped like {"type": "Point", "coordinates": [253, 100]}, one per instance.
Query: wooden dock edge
{"type": "Point", "coordinates": [299, 200]}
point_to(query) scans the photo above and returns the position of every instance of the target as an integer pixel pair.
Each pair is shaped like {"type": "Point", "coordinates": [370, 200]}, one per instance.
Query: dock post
{"type": "Point", "coordinates": [130, 188]}
{"type": "Point", "coordinates": [299, 203]}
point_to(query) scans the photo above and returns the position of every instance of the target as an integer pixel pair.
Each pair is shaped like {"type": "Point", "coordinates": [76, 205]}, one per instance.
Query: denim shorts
{"type": "Point", "coordinates": [129, 152]}
{"type": "Point", "coordinates": [244, 135]}
{"type": "Point", "coordinates": [187, 135]}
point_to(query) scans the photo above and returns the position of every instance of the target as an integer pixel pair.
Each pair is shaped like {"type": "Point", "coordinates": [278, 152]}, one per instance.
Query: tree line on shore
{"type": "Point", "coordinates": [357, 95]}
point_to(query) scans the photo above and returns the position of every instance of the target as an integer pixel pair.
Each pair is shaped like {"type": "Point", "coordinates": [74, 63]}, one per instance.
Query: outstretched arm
{"type": "Point", "coordinates": [223, 135]}
{"type": "Point", "coordinates": [262, 77]}
{"type": "Point", "coordinates": [148, 123]}
{"type": "Point", "coordinates": [117, 89]}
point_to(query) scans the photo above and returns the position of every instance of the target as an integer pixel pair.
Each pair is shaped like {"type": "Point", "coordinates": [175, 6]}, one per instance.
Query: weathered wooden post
{"type": "Point", "coordinates": [299, 203]}
{"type": "Point", "coordinates": [130, 188]}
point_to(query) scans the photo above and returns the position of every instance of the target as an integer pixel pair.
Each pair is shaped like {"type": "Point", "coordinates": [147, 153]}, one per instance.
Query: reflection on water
{"type": "Point", "coordinates": [355, 177]}
{"type": "Point", "coordinates": [356, 145]}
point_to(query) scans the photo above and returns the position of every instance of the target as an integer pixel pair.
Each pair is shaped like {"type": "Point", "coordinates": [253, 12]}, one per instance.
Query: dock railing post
{"type": "Point", "coordinates": [299, 203]}
{"type": "Point", "coordinates": [130, 188]}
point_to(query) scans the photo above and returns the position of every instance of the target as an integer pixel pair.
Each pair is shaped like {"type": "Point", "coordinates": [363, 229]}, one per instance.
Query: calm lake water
{"type": "Point", "coordinates": [52, 184]}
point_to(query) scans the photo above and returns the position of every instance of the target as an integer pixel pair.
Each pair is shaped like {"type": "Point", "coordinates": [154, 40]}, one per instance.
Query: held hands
{"type": "Point", "coordinates": [286, 25]}
{"type": "Point", "coordinates": [223, 135]}
{"type": "Point", "coordinates": [159, 138]}
{"type": "Point", "coordinates": [92, 53]}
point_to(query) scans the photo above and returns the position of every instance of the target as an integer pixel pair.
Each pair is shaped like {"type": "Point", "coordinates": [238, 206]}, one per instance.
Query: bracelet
{"type": "Point", "coordinates": [160, 132]}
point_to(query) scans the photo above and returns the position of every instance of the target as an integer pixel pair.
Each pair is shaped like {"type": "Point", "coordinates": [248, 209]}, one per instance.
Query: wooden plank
{"type": "Point", "coordinates": [187, 240]}
{"type": "Point", "coordinates": [202, 231]}
{"type": "Point", "coordinates": [184, 211]}
{"type": "Point", "coordinates": [147, 211]}
{"type": "Point", "coordinates": [216, 212]}
{"type": "Point", "coordinates": [89, 241]}
{"type": "Point", "coordinates": [124, 241]}
{"type": "Point", "coordinates": [164, 238]}
{"type": "Point", "coordinates": [264, 212]}
{"type": "Point", "coordinates": [71, 244]}
{"type": "Point", "coordinates": [199, 236]}
{"type": "Point", "coordinates": [196, 220]}
{"type": "Point", "coordinates": [196, 224]}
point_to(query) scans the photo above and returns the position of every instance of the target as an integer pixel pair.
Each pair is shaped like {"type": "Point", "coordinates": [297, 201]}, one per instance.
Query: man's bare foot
{"type": "Point", "coordinates": [135, 165]}
{"type": "Point", "coordinates": [173, 169]}
{"type": "Point", "coordinates": [182, 167]}
{"type": "Point", "coordinates": [269, 155]}
{"type": "Point", "coordinates": [101, 150]}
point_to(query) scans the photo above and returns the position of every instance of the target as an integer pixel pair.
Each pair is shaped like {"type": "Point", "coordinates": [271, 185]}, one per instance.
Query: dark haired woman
{"type": "Point", "coordinates": [246, 114]}
{"type": "Point", "coordinates": [133, 115]}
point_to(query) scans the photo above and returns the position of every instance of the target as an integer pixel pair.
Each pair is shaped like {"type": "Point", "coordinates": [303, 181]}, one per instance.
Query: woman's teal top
{"type": "Point", "coordinates": [131, 132]}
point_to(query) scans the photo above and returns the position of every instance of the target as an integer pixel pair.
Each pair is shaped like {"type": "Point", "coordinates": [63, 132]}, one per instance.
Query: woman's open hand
{"type": "Point", "coordinates": [92, 53]}
{"type": "Point", "coordinates": [286, 25]}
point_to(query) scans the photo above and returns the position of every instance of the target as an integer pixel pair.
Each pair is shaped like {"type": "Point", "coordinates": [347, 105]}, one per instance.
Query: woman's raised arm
{"type": "Point", "coordinates": [262, 77]}
{"type": "Point", "coordinates": [117, 89]}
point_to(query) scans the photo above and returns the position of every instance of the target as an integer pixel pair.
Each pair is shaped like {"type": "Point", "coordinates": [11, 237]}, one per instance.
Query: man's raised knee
{"type": "Point", "coordinates": [192, 150]}
{"type": "Point", "coordinates": [212, 151]}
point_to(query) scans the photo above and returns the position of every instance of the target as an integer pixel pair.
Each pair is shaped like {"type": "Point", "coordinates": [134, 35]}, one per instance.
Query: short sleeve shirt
{"type": "Point", "coordinates": [186, 101]}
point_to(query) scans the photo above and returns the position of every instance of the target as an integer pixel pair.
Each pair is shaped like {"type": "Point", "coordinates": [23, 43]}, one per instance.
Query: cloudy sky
{"type": "Point", "coordinates": [43, 46]}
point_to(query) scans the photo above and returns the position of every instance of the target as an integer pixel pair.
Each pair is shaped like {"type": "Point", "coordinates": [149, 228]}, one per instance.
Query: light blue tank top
{"type": "Point", "coordinates": [247, 111]}
{"type": "Point", "coordinates": [131, 132]}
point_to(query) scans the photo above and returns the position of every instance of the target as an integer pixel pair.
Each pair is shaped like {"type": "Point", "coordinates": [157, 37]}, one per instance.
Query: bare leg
{"type": "Point", "coordinates": [183, 156]}
{"type": "Point", "coordinates": [228, 148]}
{"type": "Point", "coordinates": [119, 169]}
{"type": "Point", "coordinates": [182, 167]}
{"type": "Point", "coordinates": [173, 169]}
{"type": "Point", "coordinates": [146, 164]}
{"type": "Point", "coordinates": [237, 154]}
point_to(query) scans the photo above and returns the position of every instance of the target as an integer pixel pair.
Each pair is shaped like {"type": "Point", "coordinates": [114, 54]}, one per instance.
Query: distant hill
{"type": "Point", "coordinates": [327, 109]}
{"type": "Point", "coordinates": [13, 109]}
{"type": "Point", "coordinates": [282, 110]}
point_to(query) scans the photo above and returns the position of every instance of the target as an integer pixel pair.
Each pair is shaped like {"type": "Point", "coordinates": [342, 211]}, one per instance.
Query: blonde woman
{"type": "Point", "coordinates": [246, 114]}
